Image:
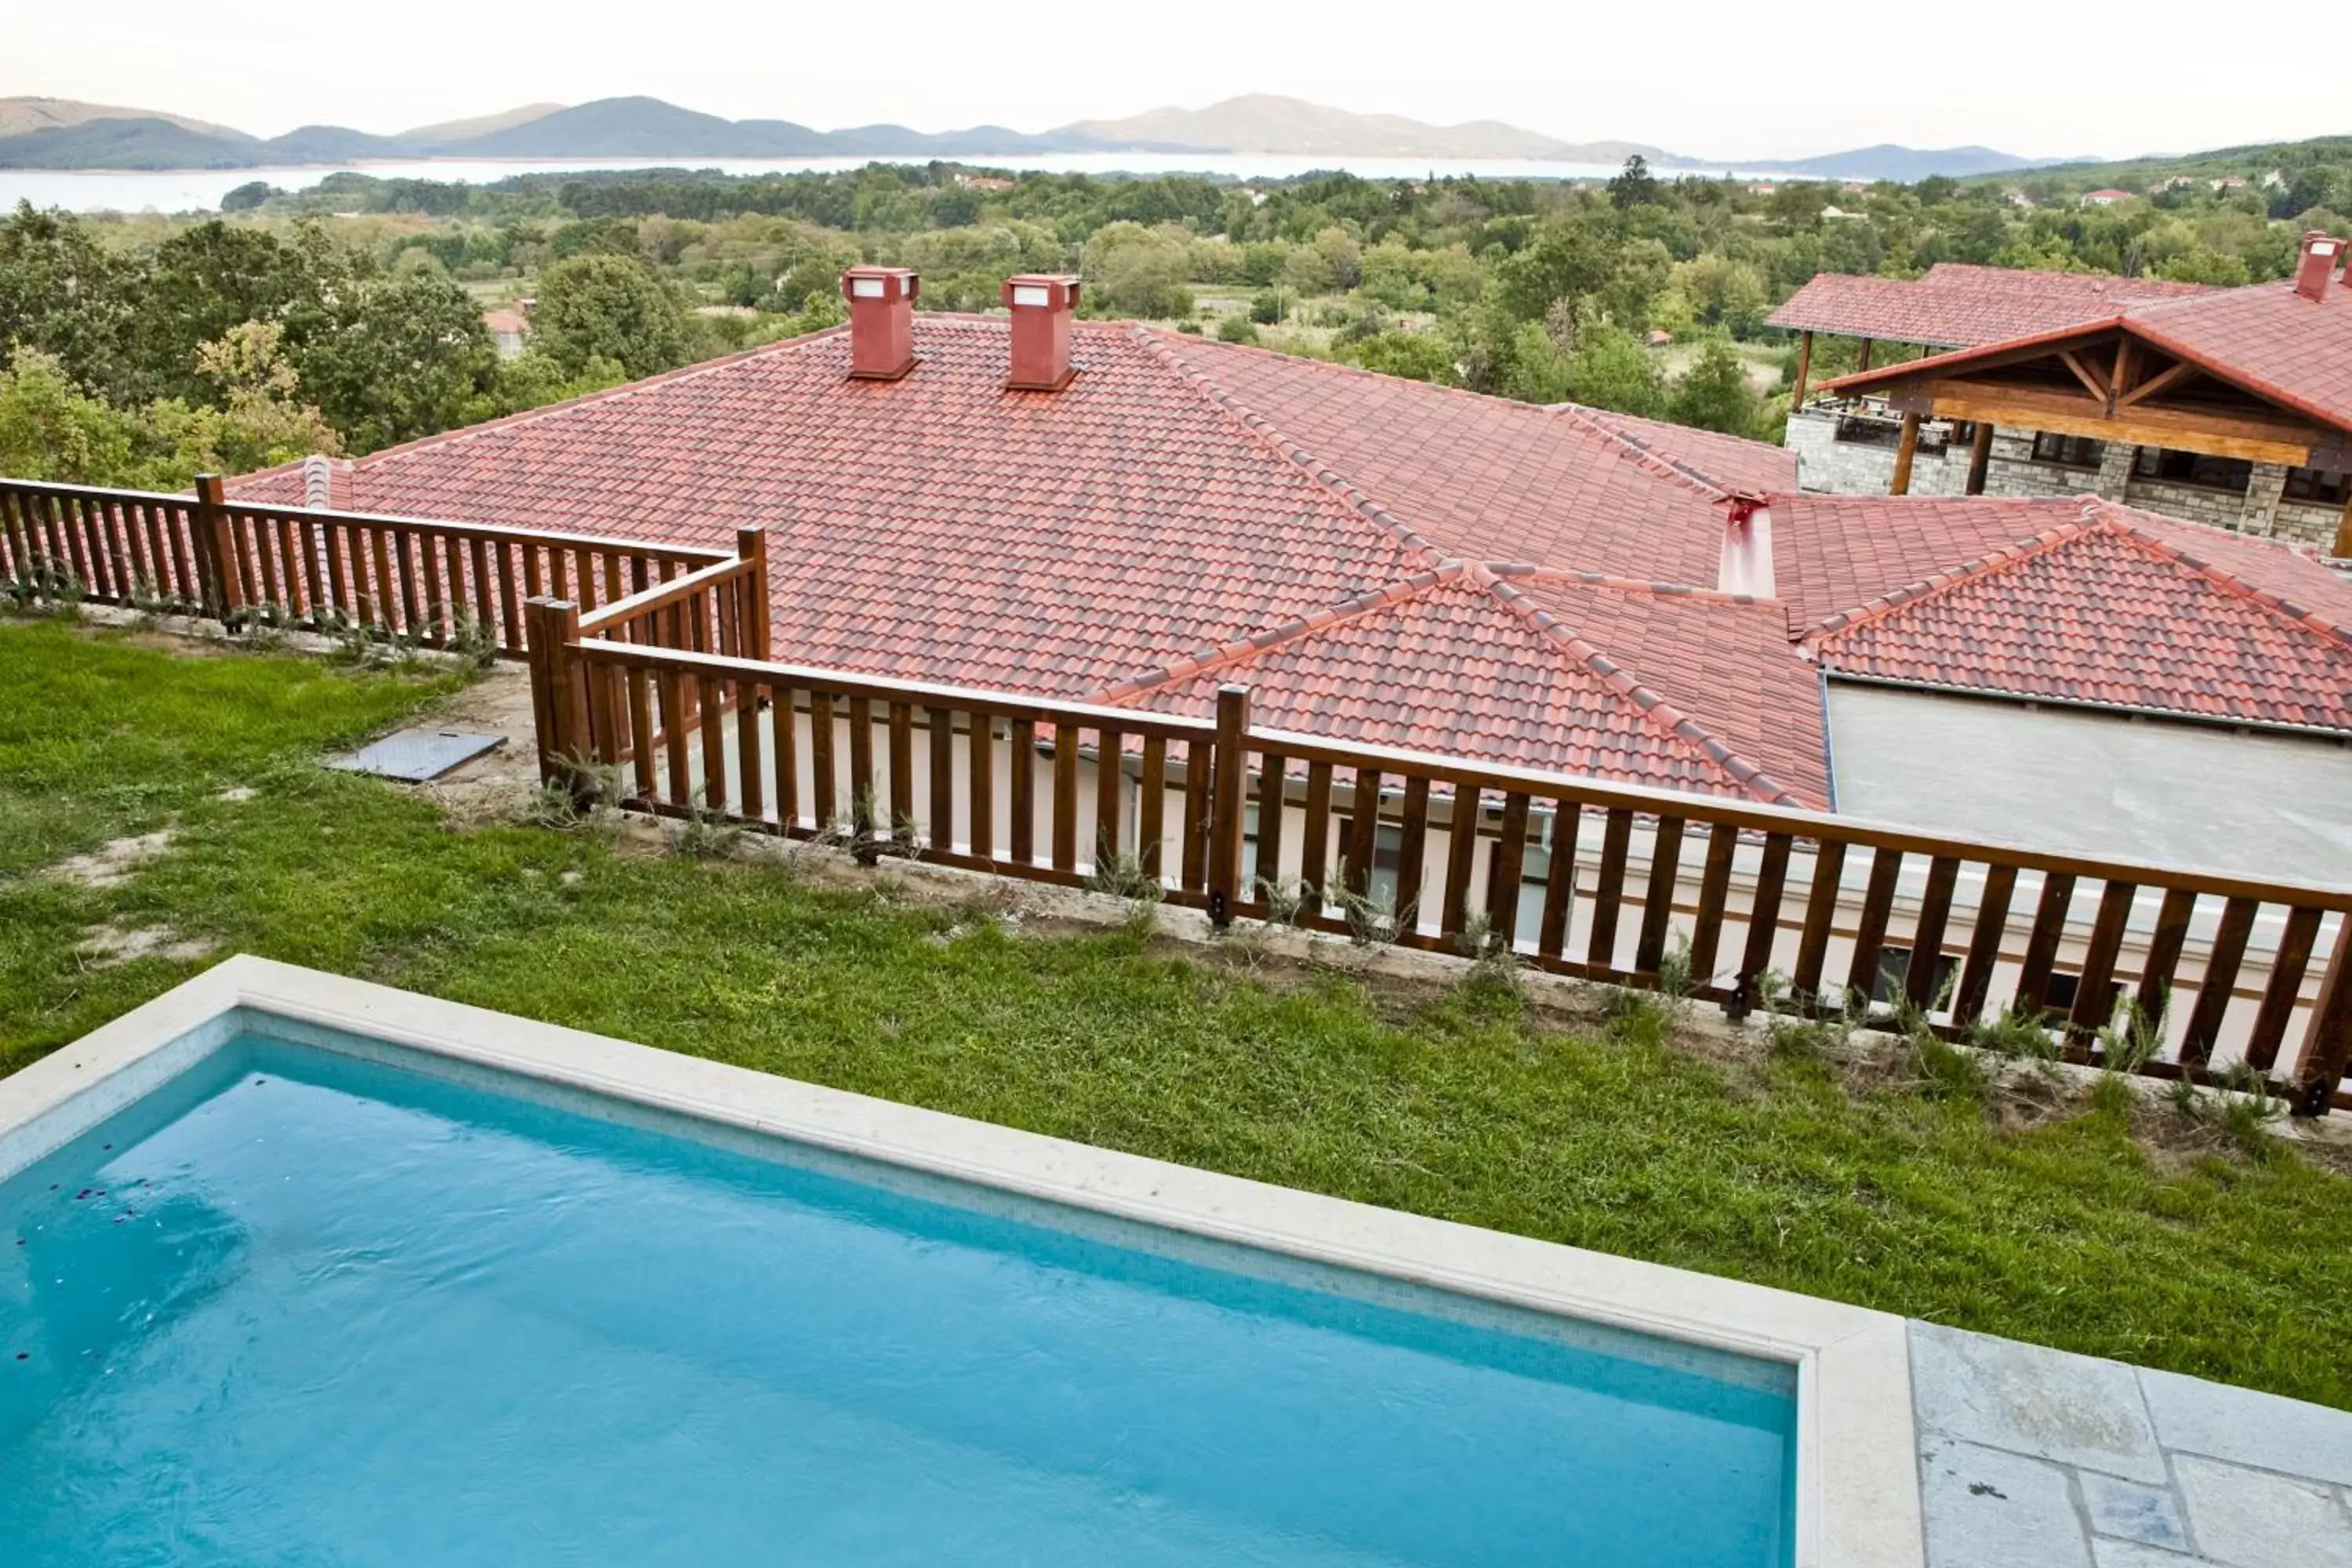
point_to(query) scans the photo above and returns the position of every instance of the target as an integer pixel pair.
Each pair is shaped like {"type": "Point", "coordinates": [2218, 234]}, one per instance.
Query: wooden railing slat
{"type": "Point", "coordinates": [751, 788]}
{"type": "Point", "coordinates": [2157, 971]}
{"type": "Point", "coordinates": [2091, 1007]}
{"type": "Point", "coordinates": [1315, 841]}
{"type": "Point", "coordinates": [1024, 767]}
{"type": "Point", "coordinates": [641, 732]}
{"type": "Point", "coordinates": [1413, 847]}
{"type": "Point", "coordinates": [1064, 802]}
{"type": "Point", "coordinates": [1608, 890]}
{"type": "Point", "coordinates": [1110, 776]}
{"type": "Point", "coordinates": [902, 771]}
{"type": "Point", "coordinates": [1927, 930]}
{"type": "Point", "coordinates": [2222, 958]}
{"type": "Point", "coordinates": [980, 742]}
{"type": "Point", "coordinates": [1984, 944]}
{"type": "Point", "coordinates": [942, 834]}
{"type": "Point", "coordinates": [1763, 912]}
{"type": "Point", "coordinates": [1272, 809]}
{"type": "Point", "coordinates": [823, 791]}
{"type": "Point", "coordinates": [1364, 833]}
{"type": "Point", "coordinates": [2284, 988]}
{"type": "Point", "coordinates": [1870, 929]}
{"type": "Point", "coordinates": [1713, 894]}
{"type": "Point", "coordinates": [1560, 880]}
{"type": "Point", "coordinates": [2041, 944]}
{"type": "Point", "coordinates": [1460, 860]}
{"type": "Point", "coordinates": [783, 731]}
{"type": "Point", "coordinates": [1658, 898]}
{"type": "Point", "coordinates": [1507, 869]}
{"type": "Point", "coordinates": [1821, 911]}
{"type": "Point", "coordinates": [1151, 804]}
{"type": "Point", "coordinates": [861, 766]}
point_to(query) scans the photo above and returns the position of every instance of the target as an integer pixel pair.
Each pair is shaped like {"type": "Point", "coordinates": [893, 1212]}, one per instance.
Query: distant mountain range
{"type": "Point", "coordinates": [59, 134]}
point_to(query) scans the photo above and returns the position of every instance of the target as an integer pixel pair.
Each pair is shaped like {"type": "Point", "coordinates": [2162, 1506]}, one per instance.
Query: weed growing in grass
{"type": "Point", "coordinates": [1947, 1071]}
{"type": "Point", "coordinates": [1285, 901]}
{"type": "Point", "coordinates": [1676, 981]}
{"type": "Point", "coordinates": [1125, 876]}
{"type": "Point", "coordinates": [1797, 1037]}
{"type": "Point", "coordinates": [2131, 1039]}
{"type": "Point", "coordinates": [2248, 1111]}
{"type": "Point", "coordinates": [1374, 920]}
{"type": "Point", "coordinates": [44, 583]}
{"type": "Point", "coordinates": [705, 835]}
{"type": "Point", "coordinates": [2015, 1033]}
{"type": "Point", "coordinates": [465, 635]}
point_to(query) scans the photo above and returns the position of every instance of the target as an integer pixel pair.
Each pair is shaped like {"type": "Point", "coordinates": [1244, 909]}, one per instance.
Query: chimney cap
{"type": "Point", "coordinates": [1041, 291]}
{"type": "Point", "coordinates": [2318, 262]}
{"type": "Point", "coordinates": [888, 284]}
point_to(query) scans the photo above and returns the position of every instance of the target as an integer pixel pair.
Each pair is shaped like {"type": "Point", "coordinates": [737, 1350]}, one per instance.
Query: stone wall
{"type": "Point", "coordinates": [1826, 464]}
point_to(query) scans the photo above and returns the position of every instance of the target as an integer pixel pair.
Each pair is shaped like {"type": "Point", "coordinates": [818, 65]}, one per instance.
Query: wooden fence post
{"type": "Point", "coordinates": [1228, 781]}
{"type": "Point", "coordinates": [558, 703]}
{"type": "Point", "coordinates": [224, 589]}
{"type": "Point", "coordinates": [2328, 1043]}
{"type": "Point", "coordinates": [751, 593]}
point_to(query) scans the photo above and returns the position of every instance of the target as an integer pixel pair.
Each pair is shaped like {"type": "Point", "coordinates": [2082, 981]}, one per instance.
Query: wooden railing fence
{"type": "Point", "coordinates": [1636, 887]}
{"type": "Point", "coordinates": [439, 584]}
{"type": "Point", "coordinates": [651, 670]}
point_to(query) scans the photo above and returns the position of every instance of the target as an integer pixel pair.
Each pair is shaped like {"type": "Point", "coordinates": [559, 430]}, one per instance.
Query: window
{"type": "Point", "coordinates": [2319, 485]}
{"type": "Point", "coordinates": [1894, 963]}
{"type": "Point", "coordinates": [1861, 430]}
{"type": "Point", "coordinates": [2058, 998]}
{"type": "Point", "coordinates": [2192, 468]}
{"type": "Point", "coordinates": [2067, 451]}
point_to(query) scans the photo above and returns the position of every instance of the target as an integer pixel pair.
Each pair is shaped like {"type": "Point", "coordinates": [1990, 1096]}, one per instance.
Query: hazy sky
{"type": "Point", "coordinates": [2044, 78]}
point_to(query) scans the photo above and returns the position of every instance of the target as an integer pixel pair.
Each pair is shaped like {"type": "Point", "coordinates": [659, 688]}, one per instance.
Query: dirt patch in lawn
{"type": "Point", "coordinates": [113, 863]}
{"type": "Point", "coordinates": [104, 946]}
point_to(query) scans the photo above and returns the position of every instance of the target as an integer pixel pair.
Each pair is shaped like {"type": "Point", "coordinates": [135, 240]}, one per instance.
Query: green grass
{"type": "Point", "coordinates": [1457, 1103]}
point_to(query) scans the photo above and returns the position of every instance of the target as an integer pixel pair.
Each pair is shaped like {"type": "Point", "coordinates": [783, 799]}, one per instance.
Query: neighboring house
{"type": "Point", "coordinates": [507, 329]}
{"type": "Point", "coordinates": [2228, 406]}
{"type": "Point", "coordinates": [2105, 198]}
{"type": "Point", "coordinates": [1101, 511]}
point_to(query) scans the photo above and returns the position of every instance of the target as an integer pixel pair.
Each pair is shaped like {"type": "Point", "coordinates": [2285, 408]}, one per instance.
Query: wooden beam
{"type": "Point", "coordinates": [1804, 367]}
{"type": "Point", "coordinates": [1908, 449]}
{"type": "Point", "coordinates": [2119, 379]}
{"type": "Point", "coordinates": [2171, 375]}
{"type": "Point", "coordinates": [2092, 384]}
{"type": "Point", "coordinates": [1979, 457]}
{"type": "Point", "coordinates": [1865, 358]}
{"type": "Point", "coordinates": [2216, 434]}
{"type": "Point", "coordinates": [2344, 531]}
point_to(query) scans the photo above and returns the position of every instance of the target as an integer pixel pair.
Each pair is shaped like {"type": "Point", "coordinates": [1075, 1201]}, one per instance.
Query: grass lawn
{"type": "Point", "coordinates": [1462, 1103]}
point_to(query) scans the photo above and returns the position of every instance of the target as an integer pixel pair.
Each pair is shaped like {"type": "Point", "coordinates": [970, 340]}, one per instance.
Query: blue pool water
{"type": "Point", "coordinates": [302, 1307]}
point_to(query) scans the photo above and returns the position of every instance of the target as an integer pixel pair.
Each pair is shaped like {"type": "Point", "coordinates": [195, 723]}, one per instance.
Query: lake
{"type": "Point", "coordinates": [200, 190]}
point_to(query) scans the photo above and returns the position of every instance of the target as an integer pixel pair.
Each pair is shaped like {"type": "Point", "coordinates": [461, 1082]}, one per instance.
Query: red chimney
{"type": "Point", "coordinates": [2319, 253]}
{"type": "Point", "coordinates": [881, 321]}
{"type": "Point", "coordinates": [1042, 304]}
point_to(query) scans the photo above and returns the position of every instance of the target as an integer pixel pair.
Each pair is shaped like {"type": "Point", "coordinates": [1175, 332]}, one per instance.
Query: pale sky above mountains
{"type": "Point", "coordinates": [1704, 77]}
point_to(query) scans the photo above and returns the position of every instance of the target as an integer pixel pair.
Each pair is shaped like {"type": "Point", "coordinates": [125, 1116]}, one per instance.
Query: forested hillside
{"type": "Point", "coordinates": [349, 317]}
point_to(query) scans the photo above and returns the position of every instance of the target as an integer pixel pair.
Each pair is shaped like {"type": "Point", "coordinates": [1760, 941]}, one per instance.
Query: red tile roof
{"type": "Point", "coordinates": [2265, 338]}
{"type": "Point", "coordinates": [2106, 610]}
{"type": "Point", "coordinates": [1956, 305]}
{"type": "Point", "coordinates": [1177, 496]}
{"type": "Point", "coordinates": [1376, 558]}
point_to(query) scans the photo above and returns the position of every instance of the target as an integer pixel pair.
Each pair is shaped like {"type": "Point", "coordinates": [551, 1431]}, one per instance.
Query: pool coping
{"type": "Point", "coordinates": [1858, 1493]}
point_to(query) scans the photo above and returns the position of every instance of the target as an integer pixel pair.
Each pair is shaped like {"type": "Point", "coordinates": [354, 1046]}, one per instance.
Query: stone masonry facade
{"type": "Point", "coordinates": [1825, 462]}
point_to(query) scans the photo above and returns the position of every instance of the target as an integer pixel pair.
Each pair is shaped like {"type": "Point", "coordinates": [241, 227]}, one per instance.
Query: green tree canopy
{"type": "Point", "coordinates": [1714, 393]}
{"type": "Point", "coordinates": [599, 305]}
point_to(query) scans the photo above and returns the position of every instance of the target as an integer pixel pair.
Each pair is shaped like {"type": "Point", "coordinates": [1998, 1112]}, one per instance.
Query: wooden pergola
{"type": "Point", "coordinates": [2108, 384]}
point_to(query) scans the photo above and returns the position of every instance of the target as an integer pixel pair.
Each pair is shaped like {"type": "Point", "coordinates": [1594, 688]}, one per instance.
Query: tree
{"type": "Point", "coordinates": [248, 196]}
{"type": "Point", "coordinates": [1419, 356]}
{"type": "Point", "coordinates": [390, 359]}
{"type": "Point", "coordinates": [1332, 263]}
{"type": "Point", "coordinates": [599, 305]}
{"type": "Point", "coordinates": [1714, 393]}
{"type": "Point", "coordinates": [52, 429]}
{"type": "Point", "coordinates": [1635, 186]}
{"type": "Point", "coordinates": [1565, 260]}
{"type": "Point", "coordinates": [62, 293]}
{"type": "Point", "coordinates": [1132, 270]}
{"type": "Point", "coordinates": [1610, 369]}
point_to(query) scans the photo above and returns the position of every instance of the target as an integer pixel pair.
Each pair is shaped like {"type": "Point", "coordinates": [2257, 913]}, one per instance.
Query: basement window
{"type": "Point", "coordinates": [2231, 474]}
{"type": "Point", "coordinates": [2067, 451]}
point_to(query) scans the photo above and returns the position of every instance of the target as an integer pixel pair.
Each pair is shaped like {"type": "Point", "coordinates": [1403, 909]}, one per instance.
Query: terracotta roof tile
{"type": "Point", "coordinates": [1954, 305]}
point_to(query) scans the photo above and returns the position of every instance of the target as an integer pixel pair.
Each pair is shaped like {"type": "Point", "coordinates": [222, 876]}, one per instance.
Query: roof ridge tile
{"type": "Point", "coordinates": [1649, 703]}
{"type": "Point", "coordinates": [1266, 431]}
{"type": "Point", "coordinates": [1670, 469]}
{"type": "Point", "coordinates": [1239, 651]}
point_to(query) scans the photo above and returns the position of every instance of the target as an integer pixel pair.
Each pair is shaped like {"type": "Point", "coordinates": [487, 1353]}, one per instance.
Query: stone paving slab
{"type": "Point", "coordinates": [2069, 1409]}
{"type": "Point", "coordinates": [2248, 1428]}
{"type": "Point", "coordinates": [2038, 1459]}
{"type": "Point", "coordinates": [2252, 1518]}
{"type": "Point", "coordinates": [1986, 1508]}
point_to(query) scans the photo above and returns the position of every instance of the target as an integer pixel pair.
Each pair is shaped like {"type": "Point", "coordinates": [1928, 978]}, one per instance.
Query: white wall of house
{"type": "Point", "coordinates": [2180, 793]}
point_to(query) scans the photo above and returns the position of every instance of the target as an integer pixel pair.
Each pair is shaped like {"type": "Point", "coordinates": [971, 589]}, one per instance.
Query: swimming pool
{"type": "Point", "coordinates": [303, 1292]}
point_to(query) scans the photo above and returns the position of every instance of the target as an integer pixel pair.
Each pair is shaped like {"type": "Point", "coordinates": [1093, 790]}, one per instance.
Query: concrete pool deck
{"type": "Point", "coordinates": [1916, 1447]}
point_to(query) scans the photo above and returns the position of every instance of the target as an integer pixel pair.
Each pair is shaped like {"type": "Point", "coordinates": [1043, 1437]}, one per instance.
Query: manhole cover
{"type": "Point", "coordinates": [417, 757]}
